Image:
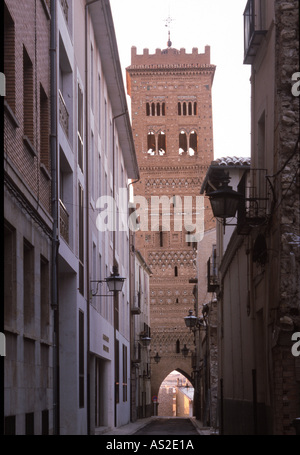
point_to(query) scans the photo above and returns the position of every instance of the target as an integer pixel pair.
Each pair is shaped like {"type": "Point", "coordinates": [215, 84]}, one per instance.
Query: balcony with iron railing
{"type": "Point", "coordinates": [256, 205]}
{"type": "Point", "coordinates": [64, 222]}
{"type": "Point", "coordinates": [254, 30]}
{"type": "Point", "coordinates": [63, 114]}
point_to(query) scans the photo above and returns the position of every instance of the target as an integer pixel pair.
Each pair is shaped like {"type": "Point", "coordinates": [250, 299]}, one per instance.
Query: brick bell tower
{"type": "Point", "coordinates": [171, 109]}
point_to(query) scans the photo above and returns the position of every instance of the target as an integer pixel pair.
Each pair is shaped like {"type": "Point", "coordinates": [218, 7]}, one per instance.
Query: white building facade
{"type": "Point", "coordinates": [96, 157]}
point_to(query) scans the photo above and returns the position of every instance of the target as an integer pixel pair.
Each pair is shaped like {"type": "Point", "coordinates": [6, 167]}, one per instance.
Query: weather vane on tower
{"type": "Point", "coordinates": [168, 24]}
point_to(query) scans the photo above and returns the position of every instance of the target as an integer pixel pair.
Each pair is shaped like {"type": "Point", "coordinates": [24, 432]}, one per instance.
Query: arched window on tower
{"type": "Point", "coordinates": [158, 109]}
{"type": "Point", "coordinates": [193, 143]}
{"type": "Point", "coordinates": [178, 347]}
{"type": "Point", "coordinates": [161, 143]}
{"type": "Point", "coordinates": [163, 108]}
{"type": "Point", "coordinates": [182, 142]}
{"type": "Point", "coordinates": [151, 143]}
{"type": "Point", "coordinates": [190, 108]}
{"type": "Point", "coordinates": [179, 108]}
{"type": "Point", "coordinates": [184, 108]}
{"type": "Point", "coordinates": [153, 109]}
{"type": "Point", "coordinates": [195, 108]}
{"type": "Point", "coordinates": [147, 109]}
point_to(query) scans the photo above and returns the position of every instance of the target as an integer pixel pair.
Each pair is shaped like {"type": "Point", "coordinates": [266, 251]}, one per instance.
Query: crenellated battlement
{"type": "Point", "coordinates": [170, 56]}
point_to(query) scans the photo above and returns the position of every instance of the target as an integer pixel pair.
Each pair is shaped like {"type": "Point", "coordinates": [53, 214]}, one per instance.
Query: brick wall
{"type": "Point", "coordinates": [167, 402]}
{"type": "Point", "coordinates": [27, 70]}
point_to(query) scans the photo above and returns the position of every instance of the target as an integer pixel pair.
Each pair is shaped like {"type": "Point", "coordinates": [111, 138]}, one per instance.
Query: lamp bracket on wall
{"type": "Point", "coordinates": [114, 283]}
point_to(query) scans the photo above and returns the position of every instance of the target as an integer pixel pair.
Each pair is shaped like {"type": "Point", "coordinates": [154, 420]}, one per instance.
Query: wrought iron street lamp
{"type": "Point", "coordinates": [114, 283]}
{"type": "Point", "coordinates": [193, 322]}
{"type": "Point", "coordinates": [190, 320]}
{"type": "Point", "coordinates": [145, 339]}
{"type": "Point", "coordinates": [224, 201]}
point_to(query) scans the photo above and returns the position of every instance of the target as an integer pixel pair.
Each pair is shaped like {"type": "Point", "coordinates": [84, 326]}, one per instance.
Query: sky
{"type": "Point", "coordinates": [197, 23]}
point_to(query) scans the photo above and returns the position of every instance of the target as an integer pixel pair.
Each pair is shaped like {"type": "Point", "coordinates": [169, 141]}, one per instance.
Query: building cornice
{"type": "Point", "coordinates": [170, 70]}
{"type": "Point", "coordinates": [154, 169]}
{"type": "Point", "coordinates": [101, 17]}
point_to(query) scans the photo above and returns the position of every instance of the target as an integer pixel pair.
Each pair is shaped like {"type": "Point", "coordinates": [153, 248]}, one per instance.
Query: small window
{"type": "Point", "coordinates": [178, 347]}
{"type": "Point", "coordinates": [195, 108]}
{"type": "Point", "coordinates": [175, 270]}
{"type": "Point", "coordinates": [28, 96]}
{"type": "Point", "coordinates": [163, 109]}
{"type": "Point", "coordinates": [158, 109]}
{"type": "Point", "coordinates": [44, 128]}
{"type": "Point", "coordinates": [179, 108]}
{"type": "Point", "coordinates": [147, 109]}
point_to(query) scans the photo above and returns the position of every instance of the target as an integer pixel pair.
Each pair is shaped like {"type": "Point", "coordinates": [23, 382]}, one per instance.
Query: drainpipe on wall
{"type": "Point", "coordinates": [54, 200]}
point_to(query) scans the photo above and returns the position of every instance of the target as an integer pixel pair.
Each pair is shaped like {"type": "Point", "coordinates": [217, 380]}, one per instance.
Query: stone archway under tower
{"type": "Point", "coordinates": [176, 396]}
{"type": "Point", "coordinates": [168, 364]}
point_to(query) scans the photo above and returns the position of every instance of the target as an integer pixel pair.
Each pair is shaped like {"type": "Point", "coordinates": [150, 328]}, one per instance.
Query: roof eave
{"type": "Point", "coordinates": [105, 36]}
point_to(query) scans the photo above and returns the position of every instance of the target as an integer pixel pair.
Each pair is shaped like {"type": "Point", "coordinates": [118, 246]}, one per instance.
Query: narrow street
{"type": "Point", "coordinates": [169, 426]}
{"type": "Point", "coordinates": [151, 221]}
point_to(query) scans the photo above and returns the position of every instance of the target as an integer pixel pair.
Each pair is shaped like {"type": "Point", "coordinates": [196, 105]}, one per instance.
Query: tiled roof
{"type": "Point", "coordinates": [232, 161]}
{"type": "Point", "coordinates": [218, 166]}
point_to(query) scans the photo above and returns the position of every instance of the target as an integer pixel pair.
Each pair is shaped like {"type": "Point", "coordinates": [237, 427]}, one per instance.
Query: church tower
{"type": "Point", "coordinates": [171, 107]}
